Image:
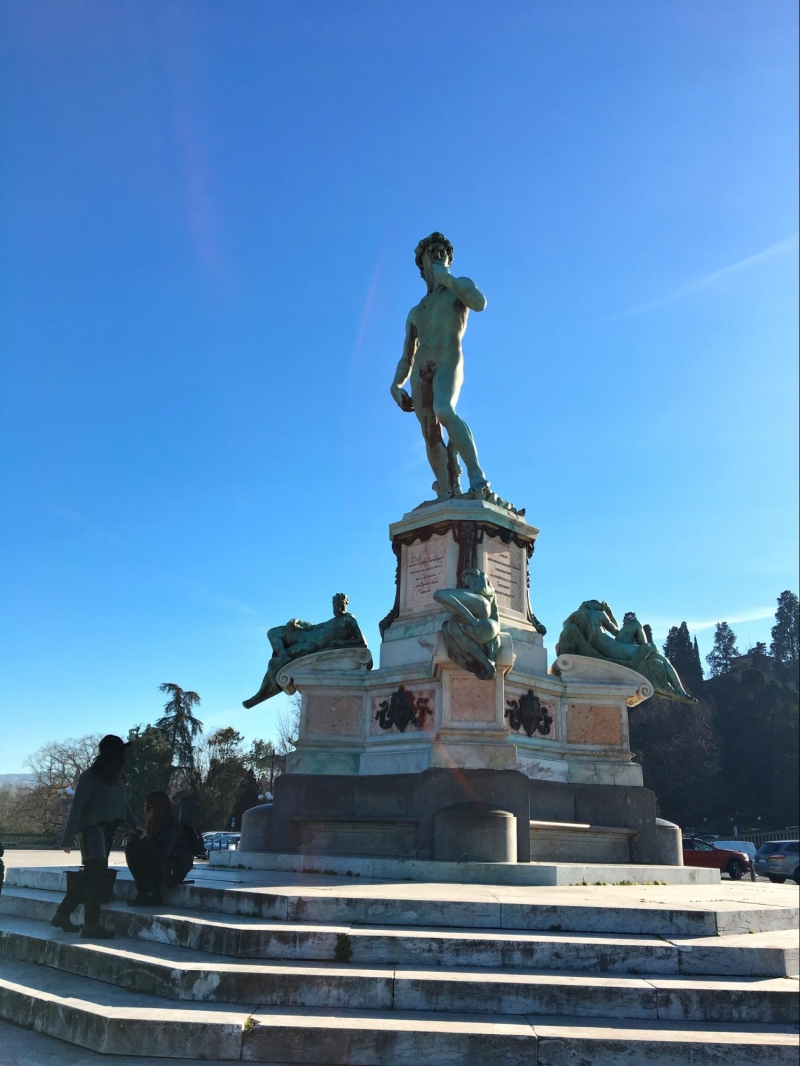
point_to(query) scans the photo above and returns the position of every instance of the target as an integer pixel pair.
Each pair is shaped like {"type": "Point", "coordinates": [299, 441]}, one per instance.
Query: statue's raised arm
{"type": "Point", "coordinates": [464, 288]}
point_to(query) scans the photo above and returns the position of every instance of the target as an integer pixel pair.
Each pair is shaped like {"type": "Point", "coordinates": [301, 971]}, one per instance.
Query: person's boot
{"type": "Point", "coordinates": [97, 932]}
{"type": "Point", "coordinates": [62, 921]}
{"type": "Point", "coordinates": [144, 899]}
{"type": "Point", "coordinates": [147, 895]}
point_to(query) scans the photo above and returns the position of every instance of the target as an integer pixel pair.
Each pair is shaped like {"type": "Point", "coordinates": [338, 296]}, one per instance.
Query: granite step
{"type": "Point", "coordinates": [363, 905]}
{"type": "Point", "coordinates": [772, 954]}
{"type": "Point", "coordinates": [113, 1022]}
{"type": "Point", "coordinates": [173, 972]}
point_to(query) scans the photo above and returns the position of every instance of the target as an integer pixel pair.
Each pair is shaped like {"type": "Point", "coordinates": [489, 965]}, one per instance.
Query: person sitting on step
{"type": "Point", "coordinates": [98, 807]}
{"type": "Point", "coordinates": [162, 856]}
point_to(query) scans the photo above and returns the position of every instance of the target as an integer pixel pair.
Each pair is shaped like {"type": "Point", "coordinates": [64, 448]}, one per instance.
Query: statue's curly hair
{"type": "Point", "coordinates": [426, 242]}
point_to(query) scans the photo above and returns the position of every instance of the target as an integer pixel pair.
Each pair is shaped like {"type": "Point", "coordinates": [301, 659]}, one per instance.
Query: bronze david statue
{"type": "Point", "coordinates": [433, 364]}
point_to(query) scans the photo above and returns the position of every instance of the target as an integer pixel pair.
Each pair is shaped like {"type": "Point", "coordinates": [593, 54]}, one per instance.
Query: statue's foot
{"type": "Point", "coordinates": [482, 491]}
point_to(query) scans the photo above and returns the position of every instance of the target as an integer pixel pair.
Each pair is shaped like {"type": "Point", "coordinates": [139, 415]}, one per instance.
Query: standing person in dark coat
{"type": "Point", "coordinates": [162, 856]}
{"type": "Point", "coordinates": [98, 807]}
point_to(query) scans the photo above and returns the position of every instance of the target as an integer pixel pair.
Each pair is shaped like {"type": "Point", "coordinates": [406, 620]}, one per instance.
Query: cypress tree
{"type": "Point", "coordinates": [685, 657]}
{"type": "Point", "coordinates": [724, 650]}
{"type": "Point", "coordinates": [785, 634]}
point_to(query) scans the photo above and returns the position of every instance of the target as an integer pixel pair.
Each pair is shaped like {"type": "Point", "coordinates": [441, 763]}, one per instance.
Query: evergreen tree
{"type": "Point", "coordinates": [697, 656]}
{"type": "Point", "coordinates": [263, 762]}
{"type": "Point", "coordinates": [724, 651]}
{"type": "Point", "coordinates": [785, 632]}
{"type": "Point", "coordinates": [677, 749]}
{"type": "Point", "coordinates": [684, 656]}
{"type": "Point", "coordinates": [180, 726]}
{"type": "Point", "coordinates": [148, 765]}
{"type": "Point", "coordinates": [225, 744]}
{"type": "Point", "coordinates": [757, 727]}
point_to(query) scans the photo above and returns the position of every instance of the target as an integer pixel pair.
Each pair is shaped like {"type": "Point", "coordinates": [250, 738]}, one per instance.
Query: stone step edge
{"type": "Point", "coordinates": [177, 1030]}
{"type": "Point", "coordinates": [239, 923]}
{"type": "Point", "coordinates": [752, 959]}
{"type": "Point", "coordinates": [483, 934]}
{"type": "Point", "coordinates": [720, 923]}
{"type": "Point", "coordinates": [476, 873]}
{"type": "Point", "coordinates": [629, 993]}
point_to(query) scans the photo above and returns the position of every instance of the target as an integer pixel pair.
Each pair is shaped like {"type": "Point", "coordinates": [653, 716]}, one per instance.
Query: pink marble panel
{"type": "Point", "coordinates": [592, 724]}
{"type": "Point", "coordinates": [472, 700]}
{"type": "Point", "coordinates": [333, 715]}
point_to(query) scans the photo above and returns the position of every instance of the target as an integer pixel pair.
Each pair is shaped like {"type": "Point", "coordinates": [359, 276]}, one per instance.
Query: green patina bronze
{"type": "Point", "coordinates": [472, 632]}
{"type": "Point", "coordinates": [592, 630]}
{"type": "Point", "coordinates": [296, 639]}
{"type": "Point", "coordinates": [433, 364]}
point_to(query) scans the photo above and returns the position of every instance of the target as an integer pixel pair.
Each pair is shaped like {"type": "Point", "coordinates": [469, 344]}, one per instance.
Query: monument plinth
{"type": "Point", "coordinates": [462, 713]}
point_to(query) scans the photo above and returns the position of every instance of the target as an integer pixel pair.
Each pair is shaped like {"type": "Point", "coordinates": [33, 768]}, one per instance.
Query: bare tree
{"type": "Point", "coordinates": [11, 815]}
{"type": "Point", "coordinates": [54, 768]}
{"type": "Point", "coordinates": [288, 726]}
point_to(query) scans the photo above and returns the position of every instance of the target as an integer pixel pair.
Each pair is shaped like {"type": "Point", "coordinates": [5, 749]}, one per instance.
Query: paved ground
{"type": "Point", "coordinates": [726, 893]}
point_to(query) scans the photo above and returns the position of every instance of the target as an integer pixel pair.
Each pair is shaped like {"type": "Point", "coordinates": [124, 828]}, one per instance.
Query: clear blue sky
{"type": "Point", "coordinates": [209, 211]}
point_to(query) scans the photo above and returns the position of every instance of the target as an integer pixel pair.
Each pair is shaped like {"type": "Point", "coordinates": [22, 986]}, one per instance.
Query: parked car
{"type": "Point", "coordinates": [777, 860]}
{"type": "Point", "coordinates": [221, 841]}
{"type": "Point", "coordinates": [747, 846]}
{"type": "Point", "coordinates": [697, 852]}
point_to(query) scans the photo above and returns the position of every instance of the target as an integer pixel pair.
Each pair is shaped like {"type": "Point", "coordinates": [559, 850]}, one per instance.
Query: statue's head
{"type": "Point", "coordinates": [476, 581]}
{"type": "Point", "coordinates": [436, 246]}
{"type": "Point", "coordinates": [340, 602]}
{"type": "Point", "coordinates": [629, 616]}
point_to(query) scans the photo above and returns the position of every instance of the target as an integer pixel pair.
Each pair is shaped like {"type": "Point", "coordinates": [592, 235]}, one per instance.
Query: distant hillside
{"type": "Point", "coordinates": [15, 779]}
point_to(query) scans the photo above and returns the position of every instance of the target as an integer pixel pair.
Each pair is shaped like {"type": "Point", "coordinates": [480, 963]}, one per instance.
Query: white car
{"type": "Point", "coordinates": [221, 841]}
{"type": "Point", "coordinates": [747, 846]}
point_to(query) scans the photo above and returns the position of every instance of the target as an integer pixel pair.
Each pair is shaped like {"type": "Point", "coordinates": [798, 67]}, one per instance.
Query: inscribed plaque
{"type": "Point", "coordinates": [425, 572]}
{"type": "Point", "coordinates": [504, 570]}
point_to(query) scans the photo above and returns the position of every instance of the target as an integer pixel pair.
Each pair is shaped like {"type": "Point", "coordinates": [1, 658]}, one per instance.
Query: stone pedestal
{"type": "Point", "coordinates": [419, 710]}
{"type": "Point", "coordinates": [380, 752]}
{"type": "Point", "coordinates": [474, 832]}
{"type": "Point", "coordinates": [670, 843]}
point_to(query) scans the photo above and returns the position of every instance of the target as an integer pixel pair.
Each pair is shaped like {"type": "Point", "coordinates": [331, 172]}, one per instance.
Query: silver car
{"type": "Point", "coordinates": [779, 859]}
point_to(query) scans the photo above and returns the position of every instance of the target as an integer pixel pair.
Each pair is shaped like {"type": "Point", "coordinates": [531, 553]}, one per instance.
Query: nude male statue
{"type": "Point", "coordinates": [297, 638]}
{"type": "Point", "coordinates": [472, 631]}
{"type": "Point", "coordinates": [433, 361]}
{"type": "Point", "coordinates": [586, 632]}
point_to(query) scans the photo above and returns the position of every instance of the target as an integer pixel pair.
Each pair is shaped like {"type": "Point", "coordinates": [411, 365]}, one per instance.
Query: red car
{"type": "Point", "coordinates": [698, 852]}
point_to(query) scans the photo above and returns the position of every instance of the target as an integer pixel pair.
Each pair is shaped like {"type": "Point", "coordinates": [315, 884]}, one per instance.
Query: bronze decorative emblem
{"type": "Point", "coordinates": [402, 710]}
{"type": "Point", "coordinates": [528, 713]}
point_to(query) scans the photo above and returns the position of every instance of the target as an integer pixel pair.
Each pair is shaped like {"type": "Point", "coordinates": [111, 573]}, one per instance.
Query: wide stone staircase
{"type": "Point", "coordinates": [233, 970]}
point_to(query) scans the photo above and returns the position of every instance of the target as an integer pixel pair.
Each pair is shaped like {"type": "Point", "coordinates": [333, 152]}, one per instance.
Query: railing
{"type": "Point", "coordinates": [790, 833]}
{"type": "Point", "coordinates": [42, 840]}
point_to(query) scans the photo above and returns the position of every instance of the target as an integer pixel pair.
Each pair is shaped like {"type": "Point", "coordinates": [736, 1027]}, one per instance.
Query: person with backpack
{"type": "Point", "coordinates": [99, 806]}
{"type": "Point", "coordinates": [163, 856]}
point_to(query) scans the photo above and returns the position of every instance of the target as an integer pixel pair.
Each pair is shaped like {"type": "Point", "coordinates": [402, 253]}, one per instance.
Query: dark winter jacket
{"type": "Point", "coordinates": [96, 802]}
